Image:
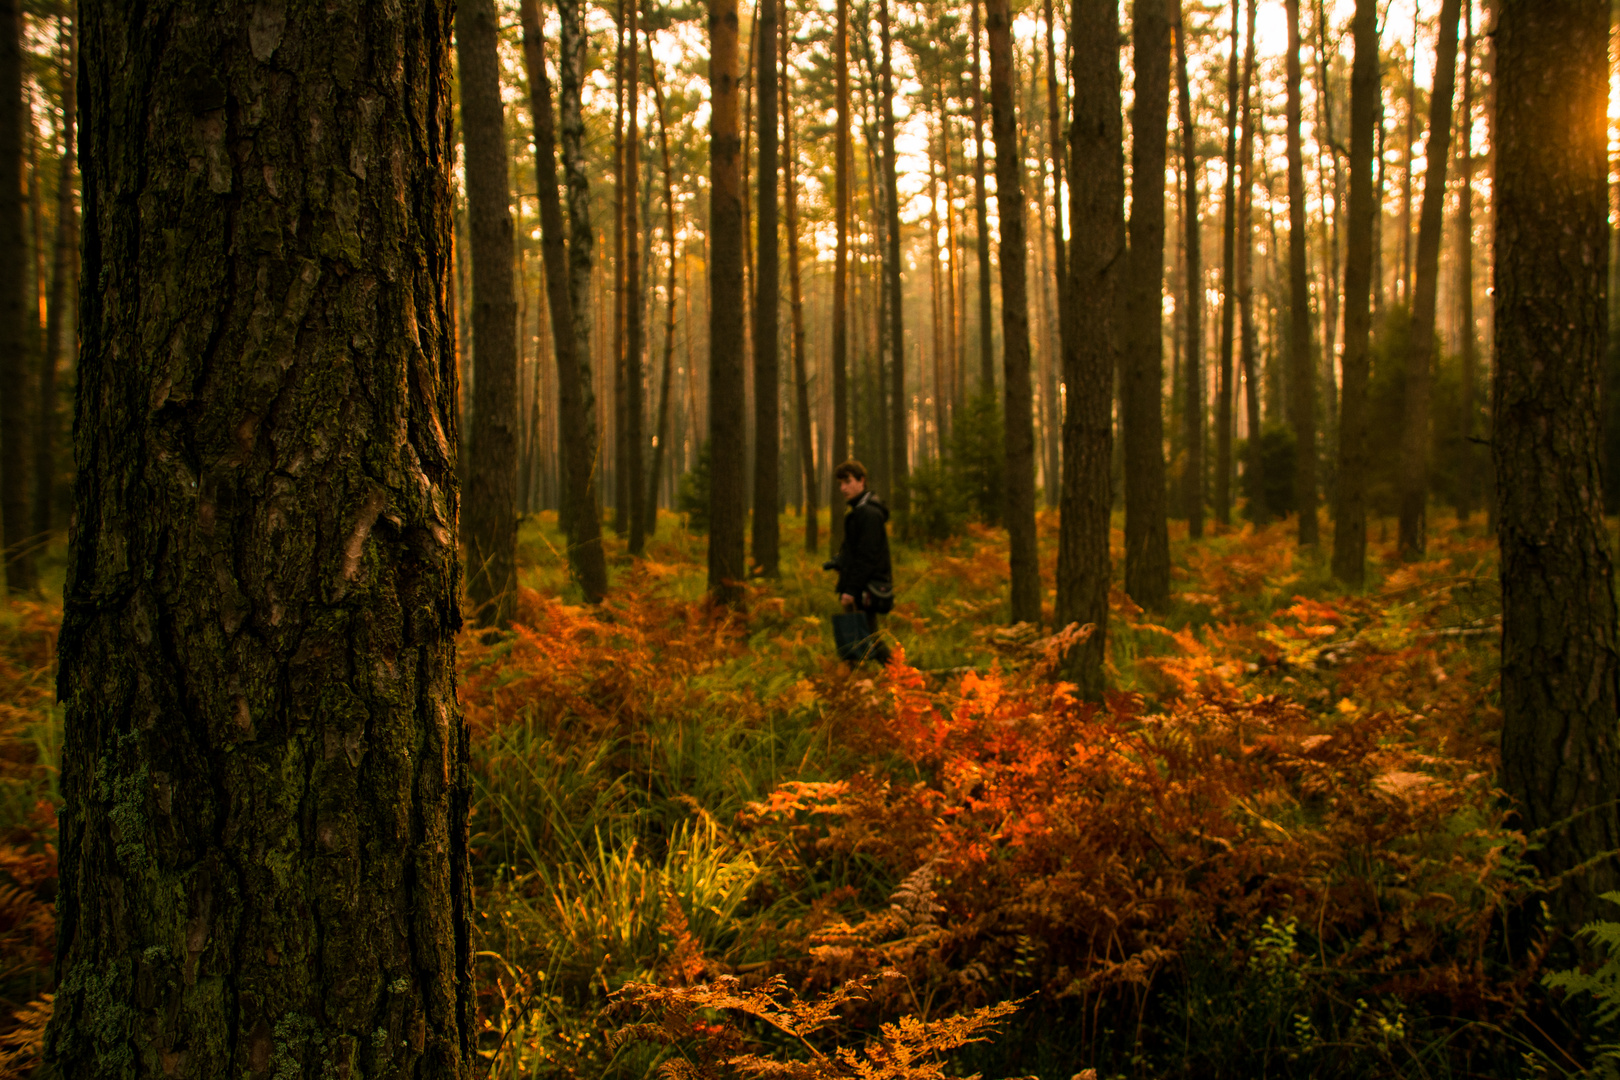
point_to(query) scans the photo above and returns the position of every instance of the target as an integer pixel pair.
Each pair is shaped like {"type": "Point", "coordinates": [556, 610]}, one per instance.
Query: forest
{"type": "Point", "coordinates": [427, 428]}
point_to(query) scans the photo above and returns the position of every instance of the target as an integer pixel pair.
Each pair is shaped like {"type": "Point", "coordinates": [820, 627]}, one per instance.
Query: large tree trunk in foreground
{"type": "Point", "coordinates": [16, 320]}
{"type": "Point", "coordinates": [1097, 210]}
{"type": "Point", "coordinates": [576, 420]}
{"type": "Point", "coordinates": [1019, 416]}
{"type": "Point", "coordinates": [767, 381]}
{"type": "Point", "coordinates": [728, 503]}
{"type": "Point", "coordinates": [1350, 515]}
{"type": "Point", "coordinates": [257, 657]}
{"type": "Point", "coordinates": [1301, 363]}
{"type": "Point", "coordinates": [492, 470]}
{"type": "Point", "coordinates": [1560, 665]}
{"type": "Point", "coordinates": [1416, 433]}
{"type": "Point", "coordinates": [1141, 368]}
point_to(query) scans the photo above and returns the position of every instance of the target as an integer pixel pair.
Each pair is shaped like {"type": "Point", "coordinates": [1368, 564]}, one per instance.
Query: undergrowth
{"type": "Point", "coordinates": [704, 848]}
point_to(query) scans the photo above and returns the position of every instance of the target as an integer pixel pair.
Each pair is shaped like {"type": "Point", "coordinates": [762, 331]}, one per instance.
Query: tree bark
{"type": "Point", "coordinates": [1223, 388]}
{"type": "Point", "coordinates": [661, 425]}
{"type": "Point", "coordinates": [981, 208]}
{"type": "Point", "coordinates": [801, 380]}
{"type": "Point", "coordinates": [1141, 367]}
{"type": "Point", "coordinates": [623, 200]}
{"type": "Point", "coordinates": [1560, 665]}
{"type": "Point", "coordinates": [492, 470]}
{"type": "Point", "coordinates": [899, 497]}
{"type": "Point", "coordinates": [1019, 417]}
{"type": "Point", "coordinates": [1192, 299]}
{"type": "Point", "coordinates": [840, 326]}
{"type": "Point", "coordinates": [264, 834]}
{"type": "Point", "coordinates": [1301, 366]}
{"type": "Point", "coordinates": [1470, 454]}
{"type": "Point", "coordinates": [767, 389]}
{"type": "Point", "coordinates": [576, 414]}
{"type": "Point", "coordinates": [634, 481]}
{"type": "Point", "coordinates": [1248, 345]}
{"type": "Point", "coordinates": [16, 331]}
{"type": "Point", "coordinates": [1416, 434]}
{"type": "Point", "coordinates": [728, 506]}
{"type": "Point", "coordinates": [1350, 515]}
{"type": "Point", "coordinates": [1097, 213]}
{"type": "Point", "coordinates": [64, 278]}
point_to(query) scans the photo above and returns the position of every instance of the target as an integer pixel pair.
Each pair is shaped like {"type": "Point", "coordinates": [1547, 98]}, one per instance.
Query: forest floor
{"type": "Point", "coordinates": [701, 842]}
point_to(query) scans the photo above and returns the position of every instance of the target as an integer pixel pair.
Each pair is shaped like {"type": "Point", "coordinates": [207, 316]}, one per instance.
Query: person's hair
{"type": "Point", "coordinates": [850, 468]}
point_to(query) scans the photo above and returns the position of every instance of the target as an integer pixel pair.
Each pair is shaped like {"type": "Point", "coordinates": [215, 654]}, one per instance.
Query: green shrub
{"type": "Point", "coordinates": [976, 455]}
{"type": "Point", "coordinates": [692, 495]}
{"type": "Point", "coordinates": [940, 503]}
{"type": "Point", "coordinates": [1276, 446]}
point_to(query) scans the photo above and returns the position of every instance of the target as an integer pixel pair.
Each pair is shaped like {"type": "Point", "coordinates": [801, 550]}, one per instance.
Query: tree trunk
{"type": "Point", "coordinates": [623, 199]}
{"type": "Point", "coordinates": [1469, 451]}
{"type": "Point", "coordinates": [840, 326]}
{"type": "Point", "coordinates": [1141, 368]}
{"type": "Point", "coordinates": [1560, 664]}
{"type": "Point", "coordinates": [585, 520]}
{"type": "Point", "coordinates": [801, 381]}
{"type": "Point", "coordinates": [1223, 389]}
{"type": "Point", "coordinates": [1301, 366]}
{"type": "Point", "coordinates": [899, 496]}
{"type": "Point", "coordinates": [1019, 416]}
{"type": "Point", "coordinates": [981, 208]}
{"type": "Point", "coordinates": [492, 470]}
{"type": "Point", "coordinates": [728, 505]}
{"type": "Point", "coordinates": [1350, 515]}
{"type": "Point", "coordinates": [257, 660]}
{"type": "Point", "coordinates": [64, 277]}
{"type": "Point", "coordinates": [1415, 431]}
{"type": "Point", "coordinates": [1192, 298]}
{"type": "Point", "coordinates": [1248, 346]}
{"type": "Point", "coordinates": [633, 480]}
{"type": "Point", "coordinates": [576, 415]}
{"type": "Point", "coordinates": [16, 330]}
{"type": "Point", "coordinates": [661, 425]}
{"type": "Point", "coordinates": [1097, 214]}
{"type": "Point", "coordinates": [767, 389]}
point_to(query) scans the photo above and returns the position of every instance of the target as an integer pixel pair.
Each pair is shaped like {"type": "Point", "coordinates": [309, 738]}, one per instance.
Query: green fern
{"type": "Point", "coordinates": [1603, 984]}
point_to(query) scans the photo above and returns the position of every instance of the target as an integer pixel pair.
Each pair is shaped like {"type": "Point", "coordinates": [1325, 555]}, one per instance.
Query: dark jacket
{"type": "Point", "coordinates": [865, 555]}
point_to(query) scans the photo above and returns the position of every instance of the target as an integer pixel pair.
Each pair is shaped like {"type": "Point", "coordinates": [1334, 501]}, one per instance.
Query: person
{"type": "Point", "coordinates": [863, 560]}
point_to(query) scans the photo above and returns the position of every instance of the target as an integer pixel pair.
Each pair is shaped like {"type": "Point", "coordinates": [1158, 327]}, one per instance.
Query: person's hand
{"type": "Point", "coordinates": [848, 601]}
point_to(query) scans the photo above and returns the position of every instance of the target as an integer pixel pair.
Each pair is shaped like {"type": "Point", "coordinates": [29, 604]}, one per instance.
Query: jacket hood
{"type": "Point", "coordinates": [869, 498]}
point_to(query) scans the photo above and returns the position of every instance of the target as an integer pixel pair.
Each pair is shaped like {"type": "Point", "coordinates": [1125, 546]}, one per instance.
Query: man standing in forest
{"type": "Point", "coordinates": [865, 575]}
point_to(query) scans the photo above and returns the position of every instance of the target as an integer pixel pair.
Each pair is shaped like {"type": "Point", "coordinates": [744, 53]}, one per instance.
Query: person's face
{"type": "Point", "coordinates": [851, 486]}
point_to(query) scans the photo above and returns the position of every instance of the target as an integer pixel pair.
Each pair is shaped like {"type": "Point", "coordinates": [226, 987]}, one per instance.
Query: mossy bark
{"type": "Point", "coordinates": [264, 836]}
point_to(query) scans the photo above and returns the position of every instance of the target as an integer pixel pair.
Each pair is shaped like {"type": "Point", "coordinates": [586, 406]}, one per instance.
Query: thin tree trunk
{"type": "Point", "coordinates": [1141, 367]}
{"type": "Point", "coordinates": [840, 303]}
{"type": "Point", "coordinates": [1192, 298]}
{"type": "Point", "coordinates": [1019, 417]}
{"type": "Point", "coordinates": [1254, 468]}
{"type": "Point", "coordinates": [584, 512]}
{"type": "Point", "coordinates": [728, 502]}
{"type": "Point", "coordinates": [1560, 655]}
{"type": "Point", "coordinates": [492, 472]}
{"type": "Point", "coordinates": [633, 482]}
{"type": "Point", "coordinates": [1223, 392]}
{"type": "Point", "coordinates": [1350, 515]}
{"type": "Point", "coordinates": [1470, 481]}
{"type": "Point", "coordinates": [1097, 212]}
{"type": "Point", "coordinates": [937, 300]}
{"type": "Point", "coordinates": [1416, 434]}
{"type": "Point", "coordinates": [257, 661]}
{"type": "Point", "coordinates": [981, 207]}
{"type": "Point", "coordinates": [661, 427]}
{"type": "Point", "coordinates": [767, 390]}
{"type": "Point", "coordinates": [64, 277]}
{"type": "Point", "coordinates": [16, 434]}
{"type": "Point", "coordinates": [1404, 286]}
{"type": "Point", "coordinates": [1301, 367]}
{"type": "Point", "coordinates": [900, 498]}
{"type": "Point", "coordinates": [624, 198]}
{"type": "Point", "coordinates": [801, 381]}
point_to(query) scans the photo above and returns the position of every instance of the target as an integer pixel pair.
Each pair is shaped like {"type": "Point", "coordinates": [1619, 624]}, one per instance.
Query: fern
{"type": "Point", "coordinates": [1602, 984]}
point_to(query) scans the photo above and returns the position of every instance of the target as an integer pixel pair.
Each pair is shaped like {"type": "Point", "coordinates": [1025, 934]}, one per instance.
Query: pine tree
{"type": "Point", "coordinates": [728, 505]}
